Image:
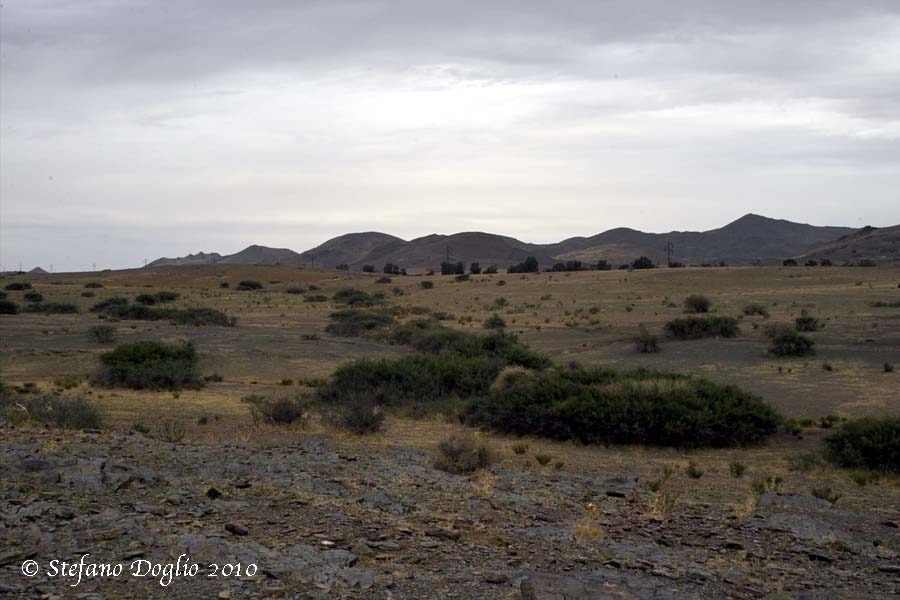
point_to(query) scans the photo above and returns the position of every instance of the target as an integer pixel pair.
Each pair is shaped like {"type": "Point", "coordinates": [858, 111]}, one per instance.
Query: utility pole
{"type": "Point", "coordinates": [93, 266]}
{"type": "Point", "coordinates": [670, 249]}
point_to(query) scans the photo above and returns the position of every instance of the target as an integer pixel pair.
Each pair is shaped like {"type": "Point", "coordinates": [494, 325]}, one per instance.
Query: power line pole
{"type": "Point", "coordinates": [670, 249]}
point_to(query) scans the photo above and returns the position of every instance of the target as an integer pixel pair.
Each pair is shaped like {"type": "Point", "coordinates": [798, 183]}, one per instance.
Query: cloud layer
{"type": "Point", "coordinates": [132, 129]}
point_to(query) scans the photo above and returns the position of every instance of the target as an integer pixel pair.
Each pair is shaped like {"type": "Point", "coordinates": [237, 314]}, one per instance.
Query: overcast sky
{"type": "Point", "coordinates": [135, 129]}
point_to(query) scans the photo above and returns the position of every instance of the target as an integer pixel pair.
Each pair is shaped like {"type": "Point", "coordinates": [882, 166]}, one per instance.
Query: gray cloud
{"type": "Point", "coordinates": [137, 128]}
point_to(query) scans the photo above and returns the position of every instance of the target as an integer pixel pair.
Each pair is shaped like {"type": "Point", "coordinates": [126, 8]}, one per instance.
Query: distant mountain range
{"type": "Point", "coordinates": [752, 239]}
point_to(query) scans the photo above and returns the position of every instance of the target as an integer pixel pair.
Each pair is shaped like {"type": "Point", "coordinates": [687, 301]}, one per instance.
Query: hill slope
{"type": "Point", "coordinates": [201, 258]}
{"type": "Point", "coordinates": [881, 245]}
{"type": "Point", "coordinates": [263, 255]}
{"type": "Point", "coordinates": [349, 248]}
{"type": "Point", "coordinates": [430, 251]}
{"type": "Point", "coordinates": [747, 240]}
{"type": "Point", "coordinates": [751, 239]}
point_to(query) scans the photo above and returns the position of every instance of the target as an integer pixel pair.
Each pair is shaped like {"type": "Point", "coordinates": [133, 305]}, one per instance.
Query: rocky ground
{"type": "Point", "coordinates": [322, 519]}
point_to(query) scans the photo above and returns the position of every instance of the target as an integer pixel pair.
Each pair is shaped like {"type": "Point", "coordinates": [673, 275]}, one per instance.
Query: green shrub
{"type": "Point", "coordinates": [179, 316]}
{"type": "Point", "coordinates": [791, 343]}
{"type": "Point", "coordinates": [108, 304]}
{"type": "Point", "coordinates": [696, 303]}
{"type": "Point", "coordinates": [756, 309]}
{"type": "Point", "coordinates": [33, 296]}
{"type": "Point", "coordinates": [295, 290]}
{"type": "Point", "coordinates": [866, 443]}
{"type": "Point", "coordinates": [8, 307]}
{"type": "Point", "coordinates": [277, 410]}
{"type": "Point", "coordinates": [766, 485]}
{"type": "Point", "coordinates": [17, 286]}
{"type": "Point", "coordinates": [315, 298]}
{"type": "Point", "coordinates": [462, 453]}
{"type": "Point", "coordinates": [355, 298]}
{"type": "Point", "coordinates": [692, 328]}
{"type": "Point", "coordinates": [383, 280]}
{"type": "Point", "coordinates": [93, 285]}
{"type": "Point", "coordinates": [646, 343]}
{"type": "Point", "coordinates": [150, 365]}
{"type": "Point", "coordinates": [520, 448]}
{"type": "Point", "coordinates": [102, 334]}
{"type": "Point", "coordinates": [737, 469]}
{"type": "Point", "coordinates": [633, 407]}
{"type": "Point", "coordinates": [495, 321]}
{"type": "Point", "coordinates": [426, 337]}
{"type": "Point", "coordinates": [52, 308]}
{"type": "Point", "coordinates": [248, 286]}
{"type": "Point", "coordinates": [807, 323]}
{"type": "Point", "coordinates": [360, 322]}
{"type": "Point", "coordinates": [158, 298]}
{"type": "Point", "coordinates": [426, 285]}
{"type": "Point", "coordinates": [54, 411]}
{"type": "Point", "coordinates": [693, 470]}
{"type": "Point", "coordinates": [419, 380]}
{"type": "Point", "coordinates": [357, 413]}
{"type": "Point", "coordinates": [885, 304]}
{"type": "Point", "coordinates": [463, 277]}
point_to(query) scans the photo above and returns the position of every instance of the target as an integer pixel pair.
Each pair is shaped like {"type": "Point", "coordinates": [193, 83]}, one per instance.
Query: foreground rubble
{"type": "Point", "coordinates": [322, 520]}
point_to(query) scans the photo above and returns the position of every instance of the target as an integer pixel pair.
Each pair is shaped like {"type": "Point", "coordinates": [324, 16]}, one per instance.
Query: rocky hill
{"type": "Point", "coordinates": [880, 245]}
{"type": "Point", "coordinates": [752, 239]}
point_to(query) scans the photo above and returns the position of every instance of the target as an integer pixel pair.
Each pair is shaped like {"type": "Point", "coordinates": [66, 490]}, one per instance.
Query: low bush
{"type": "Point", "coordinates": [866, 443]}
{"type": "Point", "coordinates": [357, 413]}
{"type": "Point", "coordinates": [108, 304]}
{"type": "Point", "coordinates": [54, 411]}
{"type": "Point", "coordinates": [295, 290]}
{"type": "Point", "coordinates": [102, 334]}
{"type": "Point", "coordinates": [807, 323]}
{"type": "Point", "coordinates": [495, 321]}
{"type": "Point", "coordinates": [791, 343]}
{"type": "Point", "coordinates": [33, 296]}
{"type": "Point", "coordinates": [646, 343]}
{"type": "Point", "coordinates": [426, 285]}
{"type": "Point", "coordinates": [8, 307]}
{"type": "Point", "coordinates": [885, 304]}
{"type": "Point", "coordinates": [425, 336]}
{"type": "Point", "coordinates": [179, 316]}
{"type": "Point", "coordinates": [696, 303]}
{"type": "Point", "coordinates": [276, 410]}
{"type": "Point", "coordinates": [355, 298]}
{"type": "Point", "coordinates": [756, 309]}
{"type": "Point", "coordinates": [360, 322]}
{"type": "Point", "coordinates": [633, 407]}
{"type": "Point", "coordinates": [158, 298]}
{"type": "Point", "coordinates": [315, 298]}
{"type": "Point", "coordinates": [17, 286]}
{"type": "Point", "coordinates": [462, 453]}
{"type": "Point", "coordinates": [52, 308]}
{"type": "Point", "coordinates": [691, 328]}
{"type": "Point", "coordinates": [383, 280]}
{"type": "Point", "coordinates": [150, 365]}
{"type": "Point", "coordinates": [248, 286]}
{"type": "Point", "coordinates": [93, 285]}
